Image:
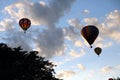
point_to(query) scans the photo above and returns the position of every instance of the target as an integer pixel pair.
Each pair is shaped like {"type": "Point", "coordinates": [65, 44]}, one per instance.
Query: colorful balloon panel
{"type": "Point", "coordinates": [24, 23]}
{"type": "Point", "coordinates": [90, 33]}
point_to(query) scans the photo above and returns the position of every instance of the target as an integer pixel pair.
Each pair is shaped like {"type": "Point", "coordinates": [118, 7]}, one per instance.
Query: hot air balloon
{"type": "Point", "coordinates": [24, 24]}
{"type": "Point", "coordinates": [98, 50]}
{"type": "Point", "coordinates": [90, 33]}
{"type": "Point", "coordinates": [110, 79]}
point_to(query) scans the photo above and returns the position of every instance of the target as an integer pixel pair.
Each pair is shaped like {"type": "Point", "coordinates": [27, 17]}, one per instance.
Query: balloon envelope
{"type": "Point", "coordinates": [24, 23]}
{"type": "Point", "coordinates": [90, 33]}
{"type": "Point", "coordinates": [110, 79]}
{"type": "Point", "coordinates": [98, 50]}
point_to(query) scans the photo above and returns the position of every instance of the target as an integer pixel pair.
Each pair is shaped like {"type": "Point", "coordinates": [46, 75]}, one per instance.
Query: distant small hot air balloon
{"type": "Point", "coordinates": [90, 33]}
{"type": "Point", "coordinates": [24, 24]}
{"type": "Point", "coordinates": [98, 50]}
{"type": "Point", "coordinates": [110, 79]}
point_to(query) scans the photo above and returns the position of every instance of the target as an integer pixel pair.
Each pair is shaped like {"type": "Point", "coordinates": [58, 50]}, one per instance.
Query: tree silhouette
{"type": "Point", "coordinates": [16, 64]}
{"type": "Point", "coordinates": [118, 78]}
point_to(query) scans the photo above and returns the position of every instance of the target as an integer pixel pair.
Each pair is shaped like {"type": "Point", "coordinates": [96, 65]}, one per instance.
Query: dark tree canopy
{"type": "Point", "coordinates": [16, 64]}
{"type": "Point", "coordinates": [118, 78]}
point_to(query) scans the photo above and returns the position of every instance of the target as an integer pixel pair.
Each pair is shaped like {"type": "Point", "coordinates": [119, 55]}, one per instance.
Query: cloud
{"type": "Point", "coordinates": [91, 74]}
{"type": "Point", "coordinates": [62, 62]}
{"type": "Point", "coordinates": [58, 63]}
{"type": "Point", "coordinates": [50, 40]}
{"type": "Point", "coordinates": [118, 67]}
{"type": "Point", "coordinates": [113, 19]}
{"type": "Point", "coordinates": [19, 39]}
{"type": "Point", "coordinates": [66, 74]}
{"type": "Point", "coordinates": [86, 11]}
{"type": "Point", "coordinates": [107, 69]}
{"type": "Point", "coordinates": [78, 43]}
{"type": "Point", "coordinates": [74, 22]}
{"type": "Point", "coordinates": [76, 54]}
{"type": "Point", "coordinates": [111, 27]}
{"type": "Point", "coordinates": [103, 43]}
{"type": "Point", "coordinates": [39, 13]}
{"type": "Point", "coordinates": [81, 66]}
{"type": "Point", "coordinates": [104, 71]}
{"type": "Point", "coordinates": [42, 3]}
{"type": "Point", "coordinates": [90, 21]}
{"type": "Point", "coordinates": [7, 24]}
{"type": "Point", "coordinates": [70, 33]}
{"type": "Point", "coordinates": [110, 69]}
{"type": "Point", "coordinates": [115, 35]}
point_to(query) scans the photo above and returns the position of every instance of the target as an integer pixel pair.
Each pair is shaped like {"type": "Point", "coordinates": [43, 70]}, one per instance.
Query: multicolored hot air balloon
{"type": "Point", "coordinates": [90, 33]}
{"type": "Point", "coordinates": [24, 24]}
{"type": "Point", "coordinates": [98, 50]}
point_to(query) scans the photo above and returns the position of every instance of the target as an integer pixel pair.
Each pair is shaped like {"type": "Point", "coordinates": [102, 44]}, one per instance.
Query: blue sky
{"type": "Point", "coordinates": [55, 33]}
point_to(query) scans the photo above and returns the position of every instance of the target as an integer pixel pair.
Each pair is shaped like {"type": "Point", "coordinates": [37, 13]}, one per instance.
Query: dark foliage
{"type": "Point", "coordinates": [16, 64]}
{"type": "Point", "coordinates": [118, 78]}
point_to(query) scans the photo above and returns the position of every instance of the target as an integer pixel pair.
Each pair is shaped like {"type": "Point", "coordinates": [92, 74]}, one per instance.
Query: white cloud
{"type": "Point", "coordinates": [16, 39]}
{"type": "Point", "coordinates": [107, 69]}
{"type": "Point", "coordinates": [16, 10]}
{"type": "Point", "coordinates": [66, 74]}
{"type": "Point", "coordinates": [115, 35]}
{"type": "Point", "coordinates": [86, 11]}
{"type": "Point", "coordinates": [76, 54]}
{"type": "Point", "coordinates": [111, 27]}
{"type": "Point", "coordinates": [58, 63]}
{"type": "Point", "coordinates": [113, 19]}
{"type": "Point", "coordinates": [78, 43]}
{"type": "Point", "coordinates": [90, 21]}
{"type": "Point", "coordinates": [74, 22]}
{"type": "Point", "coordinates": [71, 33]}
{"type": "Point", "coordinates": [38, 13]}
{"type": "Point", "coordinates": [42, 3]}
{"type": "Point", "coordinates": [110, 69]}
{"type": "Point", "coordinates": [91, 74]}
{"type": "Point", "coordinates": [62, 62]}
{"type": "Point", "coordinates": [7, 24]}
{"type": "Point", "coordinates": [103, 44]}
{"type": "Point", "coordinates": [81, 66]}
{"type": "Point", "coordinates": [118, 67]}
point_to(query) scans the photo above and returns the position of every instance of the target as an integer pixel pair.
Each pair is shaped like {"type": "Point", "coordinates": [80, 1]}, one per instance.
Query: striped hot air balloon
{"type": "Point", "coordinates": [90, 33]}
{"type": "Point", "coordinates": [25, 23]}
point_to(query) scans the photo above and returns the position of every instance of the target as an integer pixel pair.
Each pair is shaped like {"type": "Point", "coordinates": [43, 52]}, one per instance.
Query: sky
{"type": "Point", "coordinates": [56, 33]}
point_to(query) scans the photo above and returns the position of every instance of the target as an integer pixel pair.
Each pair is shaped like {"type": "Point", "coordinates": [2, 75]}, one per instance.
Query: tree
{"type": "Point", "coordinates": [118, 78]}
{"type": "Point", "coordinates": [16, 64]}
